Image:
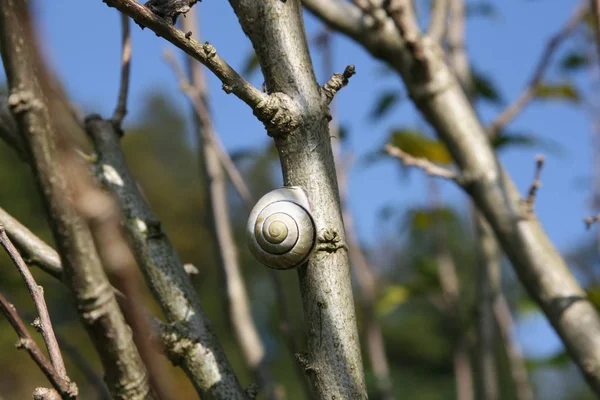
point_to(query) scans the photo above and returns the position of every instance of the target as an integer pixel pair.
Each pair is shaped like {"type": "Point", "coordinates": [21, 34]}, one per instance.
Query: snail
{"type": "Point", "coordinates": [281, 231]}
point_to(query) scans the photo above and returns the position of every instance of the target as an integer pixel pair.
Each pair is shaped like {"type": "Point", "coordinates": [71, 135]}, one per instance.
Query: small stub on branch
{"type": "Point", "coordinates": [535, 186]}
{"type": "Point", "coordinates": [589, 221]}
{"type": "Point", "coordinates": [279, 113]}
{"type": "Point", "coordinates": [336, 82]}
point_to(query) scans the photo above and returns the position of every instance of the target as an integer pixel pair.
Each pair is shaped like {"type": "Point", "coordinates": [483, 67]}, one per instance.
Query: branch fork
{"type": "Point", "coordinates": [279, 114]}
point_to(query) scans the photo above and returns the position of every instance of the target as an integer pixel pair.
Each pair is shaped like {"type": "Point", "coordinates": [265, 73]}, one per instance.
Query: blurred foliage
{"type": "Point", "coordinates": [558, 91]}
{"type": "Point", "coordinates": [419, 145]}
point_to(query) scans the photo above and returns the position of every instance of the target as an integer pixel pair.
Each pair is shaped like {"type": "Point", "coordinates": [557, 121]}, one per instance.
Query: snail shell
{"type": "Point", "coordinates": [281, 230]}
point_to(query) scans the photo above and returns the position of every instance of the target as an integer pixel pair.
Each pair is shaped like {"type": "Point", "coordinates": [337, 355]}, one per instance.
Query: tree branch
{"type": "Point", "coordinates": [205, 53]}
{"type": "Point", "coordinates": [32, 102]}
{"type": "Point", "coordinates": [443, 103]}
{"type": "Point", "coordinates": [61, 383]}
{"type": "Point", "coordinates": [35, 250]}
{"type": "Point", "coordinates": [196, 348]}
{"type": "Point", "coordinates": [226, 162]}
{"type": "Point", "coordinates": [422, 163]}
{"type": "Point", "coordinates": [437, 24]}
{"type": "Point", "coordinates": [333, 362]}
{"type": "Point", "coordinates": [43, 324]}
{"type": "Point", "coordinates": [121, 108]}
{"type": "Point", "coordinates": [528, 94]}
{"type": "Point", "coordinates": [211, 156]}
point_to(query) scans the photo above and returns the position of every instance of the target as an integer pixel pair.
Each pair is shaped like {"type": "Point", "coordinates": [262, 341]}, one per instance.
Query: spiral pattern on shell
{"type": "Point", "coordinates": [280, 230]}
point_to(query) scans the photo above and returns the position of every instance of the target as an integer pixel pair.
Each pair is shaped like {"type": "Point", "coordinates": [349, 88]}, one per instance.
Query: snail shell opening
{"type": "Point", "coordinates": [280, 230]}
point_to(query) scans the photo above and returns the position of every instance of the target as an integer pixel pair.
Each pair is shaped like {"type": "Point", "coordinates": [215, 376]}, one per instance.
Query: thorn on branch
{"type": "Point", "coordinates": [535, 185]}
{"type": "Point", "coordinates": [336, 82]}
{"type": "Point", "coordinates": [422, 163]}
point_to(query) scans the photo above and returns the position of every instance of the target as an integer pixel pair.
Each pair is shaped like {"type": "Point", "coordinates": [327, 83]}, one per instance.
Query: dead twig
{"type": "Point", "coordinates": [121, 108]}
{"type": "Point", "coordinates": [42, 323]}
{"type": "Point", "coordinates": [62, 385]}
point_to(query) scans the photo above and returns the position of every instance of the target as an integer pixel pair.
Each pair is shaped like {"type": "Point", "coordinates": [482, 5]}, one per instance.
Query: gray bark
{"type": "Point", "coordinates": [277, 33]}
{"type": "Point", "coordinates": [189, 340]}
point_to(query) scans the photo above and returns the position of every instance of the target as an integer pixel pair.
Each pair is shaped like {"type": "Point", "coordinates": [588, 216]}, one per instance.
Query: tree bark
{"type": "Point", "coordinates": [277, 33]}
{"type": "Point", "coordinates": [30, 104]}
{"type": "Point", "coordinates": [443, 103]}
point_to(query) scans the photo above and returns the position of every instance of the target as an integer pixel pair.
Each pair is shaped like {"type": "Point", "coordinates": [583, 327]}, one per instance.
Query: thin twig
{"type": "Point", "coordinates": [43, 324]}
{"type": "Point", "coordinates": [205, 53]}
{"type": "Point", "coordinates": [422, 163]}
{"type": "Point", "coordinates": [528, 94]}
{"type": "Point", "coordinates": [437, 24]}
{"type": "Point", "coordinates": [121, 108]}
{"type": "Point", "coordinates": [536, 184]}
{"type": "Point", "coordinates": [64, 386]}
{"type": "Point", "coordinates": [229, 166]}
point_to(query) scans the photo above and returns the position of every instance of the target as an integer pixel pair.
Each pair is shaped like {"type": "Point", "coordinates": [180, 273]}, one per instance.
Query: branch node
{"type": "Point", "coordinates": [252, 391]}
{"type": "Point", "coordinates": [589, 221]}
{"type": "Point", "coordinates": [209, 50]}
{"type": "Point", "coordinates": [337, 82]}
{"type": "Point", "coordinates": [21, 101]}
{"type": "Point", "coordinates": [330, 241]}
{"type": "Point", "coordinates": [279, 114]}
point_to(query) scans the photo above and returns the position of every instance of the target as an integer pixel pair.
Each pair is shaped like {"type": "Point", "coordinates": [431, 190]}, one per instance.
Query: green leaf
{"type": "Point", "coordinates": [251, 64]}
{"type": "Point", "coordinates": [573, 62]}
{"type": "Point", "coordinates": [485, 88]}
{"type": "Point", "coordinates": [393, 297]}
{"type": "Point", "coordinates": [560, 359]}
{"type": "Point", "coordinates": [418, 145]}
{"type": "Point", "coordinates": [423, 219]}
{"type": "Point", "coordinates": [509, 140]}
{"type": "Point", "coordinates": [557, 91]}
{"type": "Point", "coordinates": [384, 103]}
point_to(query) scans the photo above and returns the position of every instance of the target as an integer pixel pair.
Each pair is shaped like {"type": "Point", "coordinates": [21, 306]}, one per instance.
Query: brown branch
{"type": "Point", "coordinates": [44, 325]}
{"type": "Point", "coordinates": [121, 108]}
{"type": "Point", "coordinates": [205, 53]}
{"type": "Point", "coordinates": [421, 163]}
{"type": "Point", "coordinates": [47, 126]}
{"type": "Point", "coordinates": [67, 388]}
{"type": "Point", "coordinates": [528, 94]}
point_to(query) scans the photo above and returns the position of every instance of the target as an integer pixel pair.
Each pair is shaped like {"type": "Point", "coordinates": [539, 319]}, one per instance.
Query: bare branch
{"type": "Point", "coordinates": [35, 250]}
{"type": "Point", "coordinates": [437, 24]}
{"type": "Point", "coordinates": [60, 383]}
{"type": "Point", "coordinates": [236, 296]}
{"type": "Point", "coordinates": [44, 325]}
{"type": "Point", "coordinates": [443, 103]}
{"type": "Point", "coordinates": [45, 394]}
{"type": "Point", "coordinates": [528, 94]}
{"type": "Point", "coordinates": [228, 165]}
{"type": "Point", "coordinates": [337, 82]}
{"type": "Point", "coordinates": [334, 361]}
{"type": "Point", "coordinates": [121, 108]}
{"type": "Point", "coordinates": [44, 120]}
{"type": "Point", "coordinates": [193, 345]}
{"type": "Point", "coordinates": [205, 53]}
{"type": "Point", "coordinates": [422, 163]}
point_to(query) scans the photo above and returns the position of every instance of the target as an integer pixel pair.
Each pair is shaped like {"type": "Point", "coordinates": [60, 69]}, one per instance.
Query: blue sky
{"type": "Point", "coordinates": [81, 40]}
